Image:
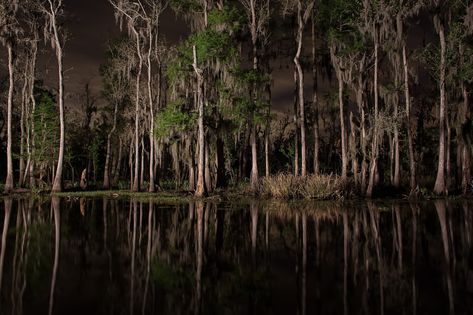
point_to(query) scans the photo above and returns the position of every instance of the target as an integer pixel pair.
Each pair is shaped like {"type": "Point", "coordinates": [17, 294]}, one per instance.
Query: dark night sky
{"type": "Point", "coordinates": [90, 24]}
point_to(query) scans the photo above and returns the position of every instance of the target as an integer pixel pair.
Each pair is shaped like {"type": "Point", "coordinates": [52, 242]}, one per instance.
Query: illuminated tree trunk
{"type": "Point", "coordinates": [9, 180]}
{"type": "Point", "coordinates": [254, 150]}
{"type": "Point", "coordinates": [343, 133]}
{"type": "Point", "coordinates": [106, 172]}
{"type": "Point", "coordinates": [200, 187]}
{"type": "Point", "coordinates": [314, 100]}
{"type": "Point", "coordinates": [440, 184]}
{"type": "Point", "coordinates": [300, 85]}
{"type": "Point", "coordinates": [151, 187]}
{"type": "Point", "coordinates": [136, 183]}
{"type": "Point", "coordinates": [375, 137]}
{"type": "Point", "coordinates": [410, 137]}
{"type": "Point", "coordinates": [57, 185]}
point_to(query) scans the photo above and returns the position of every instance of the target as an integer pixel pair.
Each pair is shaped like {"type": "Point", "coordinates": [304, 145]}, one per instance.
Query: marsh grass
{"type": "Point", "coordinates": [167, 197]}
{"type": "Point", "coordinates": [320, 187]}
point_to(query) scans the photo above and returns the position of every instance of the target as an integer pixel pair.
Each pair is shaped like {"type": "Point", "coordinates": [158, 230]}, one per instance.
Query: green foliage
{"type": "Point", "coordinates": [173, 119]}
{"type": "Point", "coordinates": [230, 19]}
{"type": "Point", "coordinates": [214, 44]}
{"type": "Point", "coordinates": [46, 126]}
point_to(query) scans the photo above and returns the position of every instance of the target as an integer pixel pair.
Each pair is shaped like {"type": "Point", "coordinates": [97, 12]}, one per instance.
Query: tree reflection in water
{"type": "Point", "coordinates": [118, 256]}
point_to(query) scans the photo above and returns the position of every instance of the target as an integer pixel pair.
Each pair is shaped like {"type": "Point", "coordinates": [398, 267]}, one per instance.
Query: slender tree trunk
{"type": "Point", "coordinates": [466, 147]}
{"type": "Point", "coordinates": [151, 187]}
{"type": "Point", "coordinates": [208, 175]}
{"type": "Point", "coordinates": [57, 185]}
{"type": "Point", "coordinates": [254, 151]}
{"type": "Point", "coordinates": [200, 189]}
{"type": "Point", "coordinates": [396, 149]}
{"type": "Point", "coordinates": [136, 183]}
{"type": "Point", "coordinates": [106, 172]}
{"type": "Point", "coordinates": [9, 180]}
{"type": "Point", "coordinates": [410, 140]}
{"type": "Point", "coordinates": [440, 185]}
{"type": "Point", "coordinates": [343, 134]}
{"type": "Point", "coordinates": [266, 152]}
{"type": "Point", "coordinates": [254, 158]}
{"type": "Point", "coordinates": [300, 85]}
{"type": "Point", "coordinates": [314, 100]}
{"type": "Point", "coordinates": [296, 123]}
{"type": "Point", "coordinates": [23, 117]}
{"type": "Point", "coordinates": [376, 136]}
{"type": "Point", "coordinates": [116, 171]}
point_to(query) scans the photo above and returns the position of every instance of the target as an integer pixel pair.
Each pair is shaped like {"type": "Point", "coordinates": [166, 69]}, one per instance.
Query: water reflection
{"type": "Point", "coordinates": [114, 256]}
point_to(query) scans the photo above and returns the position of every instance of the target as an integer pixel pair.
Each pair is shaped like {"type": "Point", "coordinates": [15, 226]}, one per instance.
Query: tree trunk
{"type": "Point", "coordinates": [300, 85]}
{"type": "Point", "coordinates": [106, 171]}
{"type": "Point", "coordinates": [254, 158]}
{"type": "Point", "coordinates": [410, 140]}
{"type": "Point", "coordinates": [397, 166]}
{"type": "Point", "coordinates": [254, 153]}
{"type": "Point", "coordinates": [200, 189]}
{"type": "Point", "coordinates": [440, 185]}
{"type": "Point", "coordinates": [136, 183]}
{"type": "Point", "coordinates": [57, 186]}
{"type": "Point", "coordinates": [9, 180]}
{"type": "Point", "coordinates": [208, 175]}
{"type": "Point", "coordinates": [117, 168]}
{"type": "Point", "coordinates": [376, 136]}
{"type": "Point", "coordinates": [296, 123]}
{"type": "Point", "coordinates": [314, 100]}
{"type": "Point", "coordinates": [266, 152]}
{"type": "Point", "coordinates": [23, 133]}
{"type": "Point", "coordinates": [466, 146]}
{"type": "Point", "coordinates": [342, 126]}
{"type": "Point", "coordinates": [151, 187]}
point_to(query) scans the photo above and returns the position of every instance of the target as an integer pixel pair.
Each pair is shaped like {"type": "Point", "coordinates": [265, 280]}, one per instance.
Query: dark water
{"type": "Point", "coordinates": [94, 256]}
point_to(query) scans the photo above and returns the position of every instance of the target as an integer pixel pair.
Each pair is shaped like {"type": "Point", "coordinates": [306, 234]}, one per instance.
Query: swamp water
{"type": "Point", "coordinates": [125, 256]}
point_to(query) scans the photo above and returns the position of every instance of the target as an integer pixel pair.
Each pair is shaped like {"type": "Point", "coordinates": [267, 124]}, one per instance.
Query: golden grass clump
{"type": "Point", "coordinates": [321, 187]}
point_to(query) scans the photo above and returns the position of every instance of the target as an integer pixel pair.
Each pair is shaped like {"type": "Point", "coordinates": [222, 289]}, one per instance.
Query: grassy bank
{"type": "Point", "coordinates": [168, 197]}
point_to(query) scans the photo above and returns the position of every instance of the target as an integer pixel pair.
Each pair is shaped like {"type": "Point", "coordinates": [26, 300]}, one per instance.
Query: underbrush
{"type": "Point", "coordinates": [322, 187]}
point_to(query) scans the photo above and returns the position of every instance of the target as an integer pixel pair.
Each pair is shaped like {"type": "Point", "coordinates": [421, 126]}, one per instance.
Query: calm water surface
{"type": "Point", "coordinates": [119, 256]}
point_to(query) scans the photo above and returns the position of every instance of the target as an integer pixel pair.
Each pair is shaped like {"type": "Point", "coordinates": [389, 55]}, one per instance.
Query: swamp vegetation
{"type": "Point", "coordinates": [381, 99]}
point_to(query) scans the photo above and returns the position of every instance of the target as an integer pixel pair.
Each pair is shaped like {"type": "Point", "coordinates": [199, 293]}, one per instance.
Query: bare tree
{"type": "Point", "coordinates": [9, 30]}
{"type": "Point", "coordinates": [303, 10]}
{"type": "Point", "coordinates": [132, 12]}
{"type": "Point", "coordinates": [257, 12]}
{"type": "Point", "coordinates": [52, 11]}
{"type": "Point", "coordinates": [440, 25]}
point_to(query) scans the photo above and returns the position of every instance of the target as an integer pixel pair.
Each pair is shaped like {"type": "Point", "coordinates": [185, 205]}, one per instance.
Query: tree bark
{"type": "Point", "coordinates": [410, 140]}
{"type": "Point", "coordinates": [466, 146]}
{"type": "Point", "coordinates": [314, 100]}
{"type": "Point", "coordinates": [374, 149]}
{"type": "Point", "coordinates": [57, 186]}
{"type": "Point", "coordinates": [200, 189]}
{"type": "Point", "coordinates": [254, 151]}
{"type": "Point", "coordinates": [151, 187]}
{"type": "Point", "coordinates": [106, 172]}
{"type": "Point", "coordinates": [300, 85]}
{"type": "Point", "coordinates": [136, 183]}
{"type": "Point", "coordinates": [342, 126]}
{"type": "Point", "coordinates": [440, 185]}
{"type": "Point", "coordinates": [9, 180]}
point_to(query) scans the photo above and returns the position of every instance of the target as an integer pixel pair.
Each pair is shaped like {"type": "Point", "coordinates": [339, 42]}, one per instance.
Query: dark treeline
{"type": "Point", "coordinates": [371, 103]}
